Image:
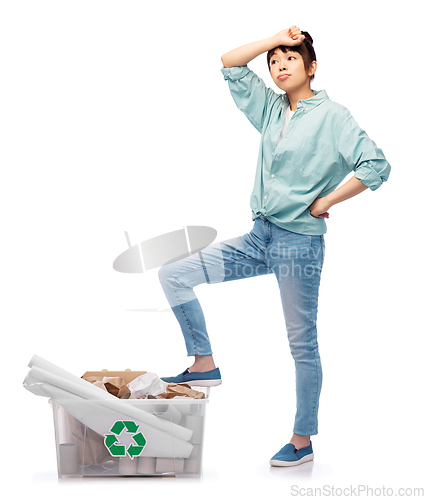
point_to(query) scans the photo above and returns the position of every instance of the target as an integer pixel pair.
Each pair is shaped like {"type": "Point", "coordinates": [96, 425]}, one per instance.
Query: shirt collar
{"type": "Point", "coordinates": [310, 103]}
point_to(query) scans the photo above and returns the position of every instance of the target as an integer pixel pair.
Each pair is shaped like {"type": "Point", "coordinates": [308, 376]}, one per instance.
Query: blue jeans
{"type": "Point", "coordinates": [296, 260]}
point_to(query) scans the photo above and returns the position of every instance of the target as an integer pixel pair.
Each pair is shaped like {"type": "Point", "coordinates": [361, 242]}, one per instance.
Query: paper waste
{"type": "Point", "coordinates": [96, 406]}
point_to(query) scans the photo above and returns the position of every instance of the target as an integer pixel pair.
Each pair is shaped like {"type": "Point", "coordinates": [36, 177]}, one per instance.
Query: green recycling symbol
{"type": "Point", "coordinates": [119, 450]}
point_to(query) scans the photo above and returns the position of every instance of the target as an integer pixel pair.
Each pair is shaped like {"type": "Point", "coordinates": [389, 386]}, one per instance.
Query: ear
{"type": "Point", "coordinates": [313, 68]}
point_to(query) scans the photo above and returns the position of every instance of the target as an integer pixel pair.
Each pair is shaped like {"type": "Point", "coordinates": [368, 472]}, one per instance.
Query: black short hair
{"type": "Point", "coordinates": [305, 49]}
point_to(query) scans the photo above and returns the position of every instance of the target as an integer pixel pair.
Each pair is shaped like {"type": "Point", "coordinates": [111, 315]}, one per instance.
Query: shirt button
{"type": "Point", "coordinates": [272, 175]}
{"type": "Point", "coordinates": [265, 197]}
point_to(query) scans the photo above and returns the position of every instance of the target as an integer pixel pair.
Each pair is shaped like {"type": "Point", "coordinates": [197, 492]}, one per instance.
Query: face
{"type": "Point", "coordinates": [292, 64]}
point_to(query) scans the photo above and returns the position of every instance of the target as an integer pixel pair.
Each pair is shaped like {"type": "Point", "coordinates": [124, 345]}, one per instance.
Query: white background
{"type": "Point", "coordinates": [115, 117]}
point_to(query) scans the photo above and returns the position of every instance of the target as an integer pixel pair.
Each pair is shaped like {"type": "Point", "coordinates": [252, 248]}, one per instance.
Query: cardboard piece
{"type": "Point", "coordinates": [127, 375]}
{"type": "Point", "coordinates": [114, 382]}
{"type": "Point", "coordinates": [181, 390]}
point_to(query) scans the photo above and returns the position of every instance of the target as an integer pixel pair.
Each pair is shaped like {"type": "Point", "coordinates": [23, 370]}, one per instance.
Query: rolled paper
{"type": "Point", "coordinates": [50, 367]}
{"type": "Point", "coordinates": [136, 403]}
{"type": "Point", "coordinates": [86, 390]}
{"type": "Point", "coordinates": [127, 466]}
{"type": "Point", "coordinates": [170, 465]}
{"type": "Point", "coordinates": [63, 430]}
{"type": "Point", "coordinates": [37, 361]}
{"type": "Point", "coordinates": [192, 466]}
{"type": "Point", "coordinates": [194, 409]}
{"type": "Point", "coordinates": [33, 386]}
{"type": "Point", "coordinates": [167, 411]}
{"type": "Point", "coordinates": [146, 465]}
{"type": "Point", "coordinates": [193, 463]}
{"type": "Point", "coordinates": [196, 424]}
{"type": "Point", "coordinates": [100, 419]}
{"type": "Point", "coordinates": [68, 458]}
{"type": "Point", "coordinates": [196, 452]}
{"type": "Point", "coordinates": [197, 409]}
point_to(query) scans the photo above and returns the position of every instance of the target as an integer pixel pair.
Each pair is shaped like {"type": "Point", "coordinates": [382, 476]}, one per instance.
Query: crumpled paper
{"type": "Point", "coordinates": [113, 385]}
{"type": "Point", "coordinates": [148, 385]}
{"type": "Point", "coordinates": [175, 390]}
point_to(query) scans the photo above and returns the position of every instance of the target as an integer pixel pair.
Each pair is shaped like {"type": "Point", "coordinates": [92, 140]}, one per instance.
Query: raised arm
{"type": "Point", "coordinates": [242, 55]}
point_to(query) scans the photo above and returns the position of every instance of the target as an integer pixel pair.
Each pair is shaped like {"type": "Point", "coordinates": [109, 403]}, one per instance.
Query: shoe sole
{"type": "Point", "coordinates": [282, 463]}
{"type": "Point", "coordinates": [202, 383]}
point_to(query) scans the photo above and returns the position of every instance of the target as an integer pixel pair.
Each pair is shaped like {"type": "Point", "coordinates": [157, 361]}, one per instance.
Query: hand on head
{"type": "Point", "coordinates": [291, 36]}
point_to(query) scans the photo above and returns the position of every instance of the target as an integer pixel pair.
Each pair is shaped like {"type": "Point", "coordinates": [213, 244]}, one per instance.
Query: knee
{"type": "Point", "coordinates": [304, 350]}
{"type": "Point", "coordinates": [305, 355]}
{"type": "Point", "coordinates": [164, 274]}
{"type": "Point", "coordinates": [168, 274]}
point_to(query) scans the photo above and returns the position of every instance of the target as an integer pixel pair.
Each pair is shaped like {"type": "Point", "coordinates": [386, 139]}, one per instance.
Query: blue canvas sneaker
{"type": "Point", "coordinates": [200, 379]}
{"type": "Point", "coordinates": [289, 455]}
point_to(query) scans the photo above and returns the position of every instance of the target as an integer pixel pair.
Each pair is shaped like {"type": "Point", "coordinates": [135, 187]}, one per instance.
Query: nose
{"type": "Point", "coordinates": [283, 67]}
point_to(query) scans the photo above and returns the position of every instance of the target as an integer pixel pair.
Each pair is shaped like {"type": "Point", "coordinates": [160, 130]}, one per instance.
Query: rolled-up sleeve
{"type": "Point", "coordinates": [250, 93]}
{"type": "Point", "coordinates": [362, 156]}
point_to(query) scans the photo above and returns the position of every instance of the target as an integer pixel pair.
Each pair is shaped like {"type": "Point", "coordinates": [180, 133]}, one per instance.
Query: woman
{"type": "Point", "coordinates": [308, 146]}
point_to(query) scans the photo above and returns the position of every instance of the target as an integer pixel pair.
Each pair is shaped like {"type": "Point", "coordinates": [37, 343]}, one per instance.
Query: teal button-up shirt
{"type": "Point", "coordinates": [321, 146]}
